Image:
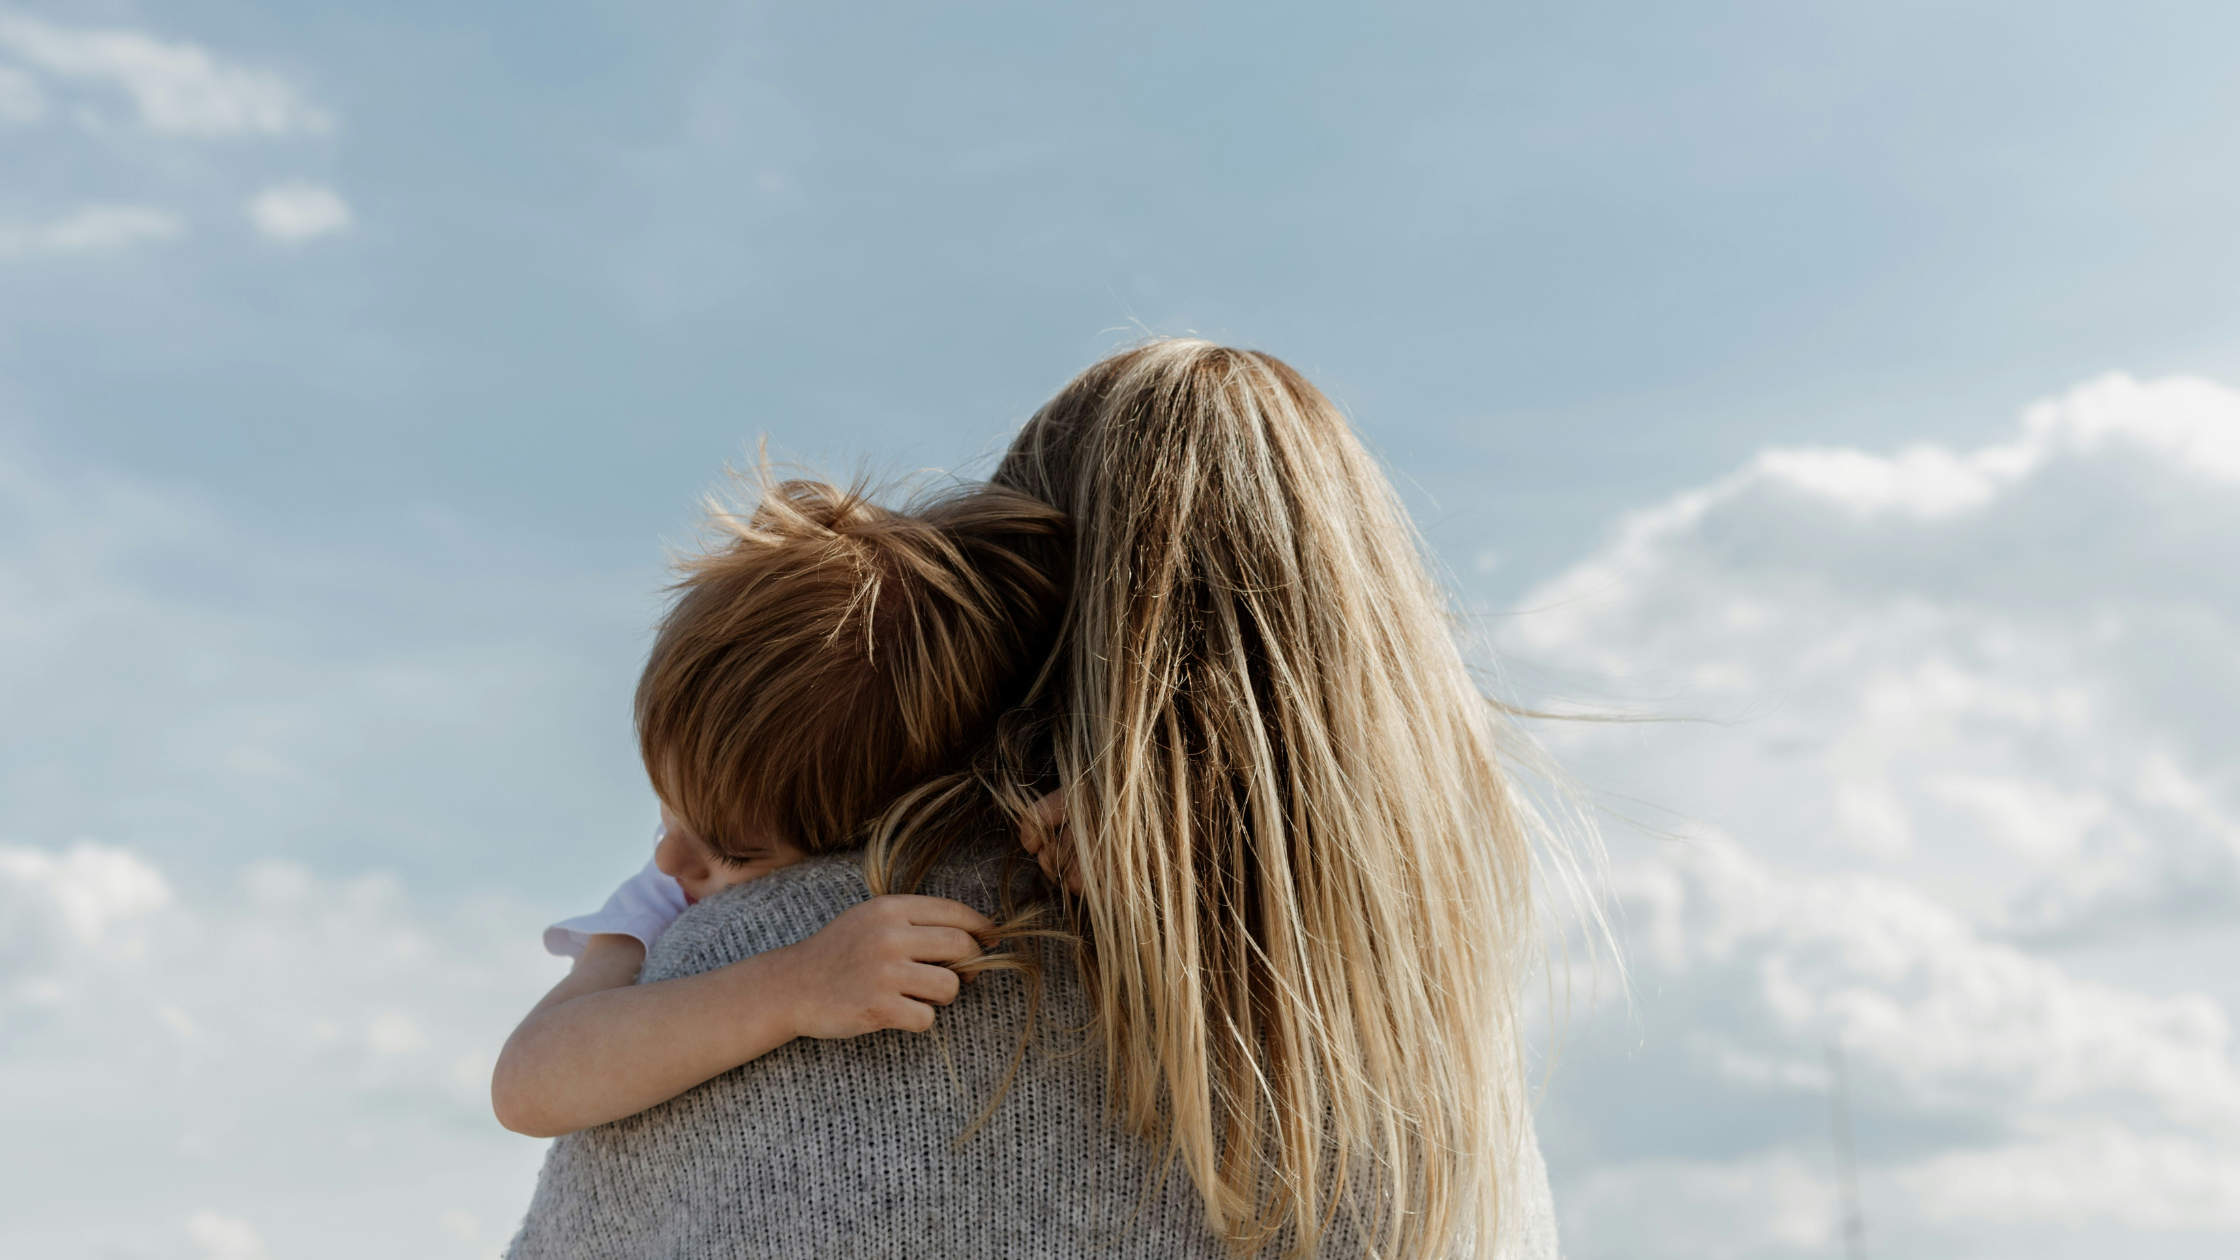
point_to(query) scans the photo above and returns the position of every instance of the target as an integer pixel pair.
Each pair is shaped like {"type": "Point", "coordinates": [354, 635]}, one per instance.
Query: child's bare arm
{"type": "Point", "coordinates": [608, 961]}
{"type": "Point", "coordinates": [599, 1047]}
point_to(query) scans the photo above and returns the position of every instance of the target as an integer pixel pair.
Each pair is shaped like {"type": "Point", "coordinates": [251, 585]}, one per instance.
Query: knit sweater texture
{"type": "Point", "coordinates": [856, 1148]}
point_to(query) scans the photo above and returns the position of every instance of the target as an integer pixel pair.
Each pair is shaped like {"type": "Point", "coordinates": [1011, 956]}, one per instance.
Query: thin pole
{"type": "Point", "coordinates": [1847, 1160]}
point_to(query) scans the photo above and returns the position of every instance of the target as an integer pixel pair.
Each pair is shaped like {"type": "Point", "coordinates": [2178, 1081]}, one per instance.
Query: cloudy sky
{"type": "Point", "coordinates": [1847, 391]}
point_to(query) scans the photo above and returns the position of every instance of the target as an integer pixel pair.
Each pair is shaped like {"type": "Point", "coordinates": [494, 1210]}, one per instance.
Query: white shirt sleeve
{"type": "Point", "coordinates": [644, 907]}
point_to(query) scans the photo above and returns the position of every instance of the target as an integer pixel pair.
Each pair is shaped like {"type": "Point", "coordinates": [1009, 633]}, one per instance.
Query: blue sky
{"type": "Point", "coordinates": [357, 362]}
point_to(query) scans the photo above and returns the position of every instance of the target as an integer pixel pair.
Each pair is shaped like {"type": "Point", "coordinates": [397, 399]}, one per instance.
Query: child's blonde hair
{"type": "Point", "coordinates": [824, 652]}
{"type": "Point", "coordinates": [1307, 910]}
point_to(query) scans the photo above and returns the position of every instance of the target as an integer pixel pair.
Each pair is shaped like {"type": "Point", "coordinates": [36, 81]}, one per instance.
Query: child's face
{"type": "Point", "coordinates": [684, 858]}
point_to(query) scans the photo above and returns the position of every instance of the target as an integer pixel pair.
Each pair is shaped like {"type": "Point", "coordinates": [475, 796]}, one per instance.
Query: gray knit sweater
{"type": "Point", "coordinates": [851, 1148]}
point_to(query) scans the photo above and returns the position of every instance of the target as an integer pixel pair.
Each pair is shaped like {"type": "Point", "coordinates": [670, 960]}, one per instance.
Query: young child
{"type": "Point", "coordinates": [825, 656]}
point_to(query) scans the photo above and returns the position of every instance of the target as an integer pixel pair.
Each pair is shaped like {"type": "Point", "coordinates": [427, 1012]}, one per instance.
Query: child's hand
{"type": "Point", "coordinates": [878, 966]}
{"type": "Point", "coordinates": [1044, 835]}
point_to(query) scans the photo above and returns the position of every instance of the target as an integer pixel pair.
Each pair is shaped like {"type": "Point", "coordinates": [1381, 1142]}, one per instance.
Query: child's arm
{"type": "Point", "coordinates": [599, 1047]}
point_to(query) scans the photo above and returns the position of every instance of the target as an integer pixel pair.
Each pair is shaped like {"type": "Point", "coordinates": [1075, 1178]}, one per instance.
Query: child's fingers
{"type": "Point", "coordinates": [1049, 812]}
{"type": "Point", "coordinates": [1041, 836]}
{"type": "Point", "coordinates": [910, 1016]}
{"type": "Point", "coordinates": [941, 945]}
{"type": "Point", "coordinates": [940, 912]}
{"type": "Point", "coordinates": [1058, 870]}
{"type": "Point", "coordinates": [1043, 821]}
{"type": "Point", "coordinates": [926, 983]}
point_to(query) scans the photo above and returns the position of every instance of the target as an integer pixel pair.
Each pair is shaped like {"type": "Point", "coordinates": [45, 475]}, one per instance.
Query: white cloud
{"type": "Point", "coordinates": [76, 899]}
{"type": "Point", "coordinates": [271, 1044]}
{"type": "Point", "coordinates": [224, 1238]}
{"type": "Point", "coordinates": [294, 212]}
{"type": "Point", "coordinates": [98, 229]}
{"type": "Point", "coordinates": [1952, 1022]}
{"type": "Point", "coordinates": [2194, 423]}
{"type": "Point", "coordinates": [1967, 803]}
{"type": "Point", "coordinates": [2099, 1173]}
{"type": "Point", "coordinates": [2044, 670]}
{"type": "Point", "coordinates": [176, 88]}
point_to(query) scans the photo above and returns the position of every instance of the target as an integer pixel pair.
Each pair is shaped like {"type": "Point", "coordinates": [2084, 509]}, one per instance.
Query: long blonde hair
{"type": "Point", "coordinates": [1307, 905]}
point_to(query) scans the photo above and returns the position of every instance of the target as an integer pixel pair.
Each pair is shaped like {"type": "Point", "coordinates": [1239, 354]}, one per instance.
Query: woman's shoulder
{"type": "Point", "coordinates": [785, 906]}
{"type": "Point", "coordinates": [791, 903]}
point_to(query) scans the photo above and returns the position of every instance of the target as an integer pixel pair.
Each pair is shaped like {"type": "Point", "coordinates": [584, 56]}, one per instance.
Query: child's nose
{"type": "Point", "coordinates": [676, 859]}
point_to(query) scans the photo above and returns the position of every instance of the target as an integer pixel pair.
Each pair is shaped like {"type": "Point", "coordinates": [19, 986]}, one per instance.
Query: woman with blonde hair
{"type": "Point", "coordinates": [1276, 840]}
{"type": "Point", "coordinates": [1304, 877]}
